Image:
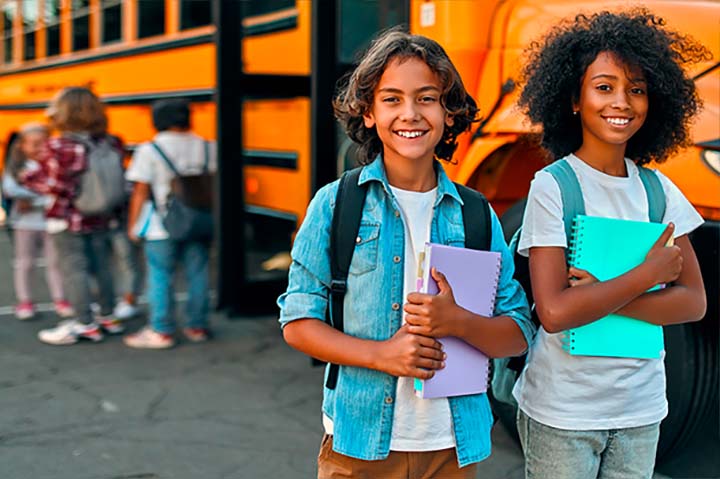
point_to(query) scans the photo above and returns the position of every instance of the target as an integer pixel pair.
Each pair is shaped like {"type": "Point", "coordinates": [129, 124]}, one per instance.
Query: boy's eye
{"type": "Point", "coordinates": [428, 99]}
{"type": "Point", "coordinates": [390, 99]}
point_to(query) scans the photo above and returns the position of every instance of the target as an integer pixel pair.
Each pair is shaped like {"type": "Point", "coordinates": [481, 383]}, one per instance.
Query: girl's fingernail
{"type": "Point", "coordinates": [444, 356]}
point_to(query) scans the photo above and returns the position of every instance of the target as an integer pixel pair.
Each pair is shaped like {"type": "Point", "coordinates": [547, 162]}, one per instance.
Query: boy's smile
{"type": "Point", "coordinates": [406, 111]}
{"type": "Point", "coordinates": [613, 102]}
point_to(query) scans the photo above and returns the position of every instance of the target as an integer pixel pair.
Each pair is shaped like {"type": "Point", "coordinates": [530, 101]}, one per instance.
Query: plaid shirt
{"type": "Point", "coordinates": [62, 161]}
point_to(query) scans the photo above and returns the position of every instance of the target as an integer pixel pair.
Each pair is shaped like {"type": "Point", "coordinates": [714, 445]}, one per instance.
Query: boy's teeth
{"type": "Point", "coordinates": [410, 134]}
{"type": "Point", "coordinates": [618, 121]}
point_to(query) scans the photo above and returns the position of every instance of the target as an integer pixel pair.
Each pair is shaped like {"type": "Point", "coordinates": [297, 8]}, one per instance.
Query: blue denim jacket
{"type": "Point", "coordinates": [361, 405]}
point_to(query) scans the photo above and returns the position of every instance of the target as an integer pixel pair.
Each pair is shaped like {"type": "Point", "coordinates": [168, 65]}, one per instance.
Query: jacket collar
{"type": "Point", "coordinates": [375, 171]}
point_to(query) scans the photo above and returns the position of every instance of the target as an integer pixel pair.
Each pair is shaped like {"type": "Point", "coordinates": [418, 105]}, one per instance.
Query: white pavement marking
{"type": "Point", "coordinates": [49, 307]}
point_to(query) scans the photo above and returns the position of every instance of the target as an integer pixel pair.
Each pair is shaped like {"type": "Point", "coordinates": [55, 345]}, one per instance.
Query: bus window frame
{"type": "Point", "coordinates": [101, 20]}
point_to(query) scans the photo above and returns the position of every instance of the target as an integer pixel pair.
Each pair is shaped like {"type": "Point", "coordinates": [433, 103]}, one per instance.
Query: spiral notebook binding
{"type": "Point", "coordinates": [568, 340]}
{"type": "Point", "coordinates": [497, 281]}
{"type": "Point", "coordinates": [574, 248]}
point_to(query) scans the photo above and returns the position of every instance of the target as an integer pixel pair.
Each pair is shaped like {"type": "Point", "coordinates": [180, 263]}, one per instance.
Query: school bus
{"type": "Point", "coordinates": [260, 75]}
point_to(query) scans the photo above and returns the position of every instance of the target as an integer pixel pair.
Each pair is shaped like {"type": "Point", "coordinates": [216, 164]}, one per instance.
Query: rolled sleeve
{"type": "Point", "coordinates": [511, 299]}
{"type": "Point", "coordinates": [308, 288]}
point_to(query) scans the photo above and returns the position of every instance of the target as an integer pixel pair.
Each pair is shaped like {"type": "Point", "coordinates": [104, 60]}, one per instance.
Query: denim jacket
{"type": "Point", "coordinates": [361, 405]}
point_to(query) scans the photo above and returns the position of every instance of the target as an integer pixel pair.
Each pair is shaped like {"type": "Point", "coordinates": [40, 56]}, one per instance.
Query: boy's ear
{"type": "Point", "coordinates": [368, 120]}
{"type": "Point", "coordinates": [449, 119]}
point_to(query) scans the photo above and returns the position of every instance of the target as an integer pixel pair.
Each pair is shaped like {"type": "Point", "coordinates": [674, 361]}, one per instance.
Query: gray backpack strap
{"type": "Point", "coordinates": [570, 192]}
{"type": "Point", "coordinates": [655, 194]}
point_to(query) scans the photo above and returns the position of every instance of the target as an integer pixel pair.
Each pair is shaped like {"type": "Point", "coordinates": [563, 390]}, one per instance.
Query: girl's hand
{"type": "Point", "coordinates": [433, 315]}
{"type": "Point", "coordinates": [664, 262]}
{"type": "Point", "coordinates": [411, 355]}
{"type": "Point", "coordinates": [580, 277]}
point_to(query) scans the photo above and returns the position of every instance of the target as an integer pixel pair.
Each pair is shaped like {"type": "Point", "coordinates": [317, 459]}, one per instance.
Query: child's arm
{"type": "Point", "coordinates": [681, 301]}
{"type": "Point", "coordinates": [506, 334]}
{"type": "Point", "coordinates": [405, 354]}
{"type": "Point", "coordinates": [561, 307]}
{"type": "Point", "coordinates": [140, 194]}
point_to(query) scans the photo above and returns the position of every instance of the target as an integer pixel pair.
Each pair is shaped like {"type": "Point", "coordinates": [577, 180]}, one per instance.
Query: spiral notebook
{"type": "Point", "coordinates": [608, 248]}
{"type": "Point", "coordinates": [473, 276]}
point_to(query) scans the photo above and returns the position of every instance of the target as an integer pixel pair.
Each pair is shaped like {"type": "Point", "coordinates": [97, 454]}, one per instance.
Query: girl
{"type": "Point", "coordinates": [83, 241]}
{"type": "Point", "coordinates": [28, 222]}
{"type": "Point", "coordinates": [404, 105]}
{"type": "Point", "coordinates": [610, 94]}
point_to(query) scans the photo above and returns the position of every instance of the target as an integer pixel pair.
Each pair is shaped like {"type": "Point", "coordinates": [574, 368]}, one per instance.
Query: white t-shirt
{"type": "Point", "coordinates": [418, 424]}
{"type": "Point", "coordinates": [186, 150]}
{"type": "Point", "coordinates": [579, 392]}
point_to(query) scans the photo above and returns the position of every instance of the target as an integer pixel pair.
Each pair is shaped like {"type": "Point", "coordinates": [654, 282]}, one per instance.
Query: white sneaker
{"type": "Point", "coordinates": [109, 324]}
{"type": "Point", "coordinates": [124, 310]}
{"type": "Point", "coordinates": [147, 338]}
{"type": "Point", "coordinates": [69, 332]}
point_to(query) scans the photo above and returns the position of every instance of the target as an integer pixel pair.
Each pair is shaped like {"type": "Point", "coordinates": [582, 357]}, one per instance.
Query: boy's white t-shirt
{"type": "Point", "coordinates": [186, 150]}
{"type": "Point", "coordinates": [579, 392]}
{"type": "Point", "coordinates": [418, 424]}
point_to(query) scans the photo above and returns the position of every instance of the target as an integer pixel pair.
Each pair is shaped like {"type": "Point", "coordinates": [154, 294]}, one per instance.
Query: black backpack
{"type": "Point", "coordinates": [346, 223]}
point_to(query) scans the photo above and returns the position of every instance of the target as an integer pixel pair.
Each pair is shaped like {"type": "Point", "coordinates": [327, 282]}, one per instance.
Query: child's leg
{"type": "Point", "coordinates": [195, 261]}
{"type": "Point", "coordinates": [161, 257]}
{"type": "Point", "coordinates": [100, 254]}
{"type": "Point", "coordinates": [630, 453]}
{"type": "Point", "coordinates": [25, 241]}
{"type": "Point", "coordinates": [437, 464]}
{"type": "Point", "coordinates": [552, 453]}
{"type": "Point", "coordinates": [52, 268]}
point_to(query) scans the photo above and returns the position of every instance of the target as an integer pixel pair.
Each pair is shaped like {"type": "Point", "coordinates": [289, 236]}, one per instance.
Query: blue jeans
{"type": "Point", "coordinates": [163, 256]}
{"type": "Point", "coordinates": [552, 453]}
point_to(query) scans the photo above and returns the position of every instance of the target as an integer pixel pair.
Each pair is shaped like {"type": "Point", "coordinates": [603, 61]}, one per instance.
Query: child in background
{"type": "Point", "coordinates": [610, 93]}
{"type": "Point", "coordinates": [82, 241]}
{"type": "Point", "coordinates": [27, 219]}
{"type": "Point", "coordinates": [405, 105]}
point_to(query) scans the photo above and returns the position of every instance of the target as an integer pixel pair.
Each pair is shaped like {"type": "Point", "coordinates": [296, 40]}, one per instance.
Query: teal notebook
{"type": "Point", "coordinates": [608, 248]}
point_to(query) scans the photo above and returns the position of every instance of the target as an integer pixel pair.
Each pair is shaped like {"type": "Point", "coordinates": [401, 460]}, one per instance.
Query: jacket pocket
{"type": "Point", "coordinates": [365, 255]}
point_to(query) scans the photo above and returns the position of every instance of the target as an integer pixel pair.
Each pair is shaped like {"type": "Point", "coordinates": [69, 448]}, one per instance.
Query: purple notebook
{"type": "Point", "coordinates": [473, 276]}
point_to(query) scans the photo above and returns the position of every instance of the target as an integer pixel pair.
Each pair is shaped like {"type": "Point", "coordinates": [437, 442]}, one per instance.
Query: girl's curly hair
{"type": "Point", "coordinates": [557, 64]}
{"type": "Point", "coordinates": [356, 91]}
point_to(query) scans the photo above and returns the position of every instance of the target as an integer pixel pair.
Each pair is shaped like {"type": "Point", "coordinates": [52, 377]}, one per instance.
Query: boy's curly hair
{"type": "Point", "coordinates": [557, 64]}
{"type": "Point", "coordinates": [356, 91]}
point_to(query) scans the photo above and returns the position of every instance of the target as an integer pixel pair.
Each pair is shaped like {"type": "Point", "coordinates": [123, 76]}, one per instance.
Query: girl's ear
{"type": "Point", "coordinates": [368, 120]}
{"type": "Point", "coordinates": [449, 119]}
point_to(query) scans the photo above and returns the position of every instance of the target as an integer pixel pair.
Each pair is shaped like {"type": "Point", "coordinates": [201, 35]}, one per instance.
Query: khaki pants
{"type": "Point", "coordinates": [401, 465]}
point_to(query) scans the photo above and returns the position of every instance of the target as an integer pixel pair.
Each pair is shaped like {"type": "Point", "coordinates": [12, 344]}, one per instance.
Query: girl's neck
{"type": "Point", "coordinates": [411, 175]}
{"type": "Point", "coordinates": [609, 159]}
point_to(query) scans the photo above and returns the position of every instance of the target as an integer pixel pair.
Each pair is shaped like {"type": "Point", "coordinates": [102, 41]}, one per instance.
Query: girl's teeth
{"type": "Point", "coordinates": [409, 134]}
{"type": "Point", "coordinates": [618, 121]}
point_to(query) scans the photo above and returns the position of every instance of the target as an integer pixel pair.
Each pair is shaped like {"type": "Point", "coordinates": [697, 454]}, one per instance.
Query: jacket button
{"type": "Point", "coordinates": [395, 306]}
{"type": "Point", "coordinates": [358, 240]}
{"type": "Point", "coordinates": [396, 259]}
{"type": "Point", "coordinates": [397, 214]}
{"type": "Point", "coordinates": [388, 400]}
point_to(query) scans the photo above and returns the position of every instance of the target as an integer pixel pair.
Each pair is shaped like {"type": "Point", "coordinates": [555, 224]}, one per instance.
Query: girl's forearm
{"type": "Point", "coordinates": [672, 305]}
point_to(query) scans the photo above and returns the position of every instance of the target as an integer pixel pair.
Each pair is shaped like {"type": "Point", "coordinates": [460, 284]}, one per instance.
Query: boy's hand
{"type": "Point", "coordinates": [664, 262]}
{"type": "Point", "coordinates": [580, 277]}
{"type": "Point", "coordinates": [433, 315]}
{"type": "Point", "coordinates": [411, 355]}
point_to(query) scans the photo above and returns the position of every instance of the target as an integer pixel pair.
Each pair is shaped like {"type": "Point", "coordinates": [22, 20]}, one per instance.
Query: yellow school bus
{"type": "Point", "coordinates": [260, 75]}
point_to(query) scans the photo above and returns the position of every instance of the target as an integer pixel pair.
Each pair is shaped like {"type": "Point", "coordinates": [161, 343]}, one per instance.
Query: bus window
{"type": "Point", "coordinates": [194, 13]}
{"type": "Point", "coordinates": [359, 24]}
{"type": "Point", "coordinates": [80, 25]}
{"type": "Point", "coordinates": [111, 21]}
{"type": "Point", "coordinates": [29, 16]}
{"type": "Point", "coordinates": [8, 14]}
{"type": "Point", "coordinates": [52, 22]}
{"type": "Point", "coordinates": [151, 18]}
{"type": "Point", "coordinates": [255, 8]}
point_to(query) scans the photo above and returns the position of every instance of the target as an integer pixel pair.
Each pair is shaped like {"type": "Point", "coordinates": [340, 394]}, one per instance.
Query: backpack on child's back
{"type": "Point", "coordinates": [102, 185]}
{"type": "Point", "coordinates": [189, 206]}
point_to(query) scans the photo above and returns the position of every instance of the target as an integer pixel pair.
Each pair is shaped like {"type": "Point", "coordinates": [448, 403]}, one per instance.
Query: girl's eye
{"type": "Point", "coordinates": [603, 87]}
{"type": "Point", "coordinates": [638, 91]}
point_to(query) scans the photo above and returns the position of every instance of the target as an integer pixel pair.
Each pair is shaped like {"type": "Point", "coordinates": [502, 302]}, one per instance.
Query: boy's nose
{"type": "Point", "coordinates": [409, 112]}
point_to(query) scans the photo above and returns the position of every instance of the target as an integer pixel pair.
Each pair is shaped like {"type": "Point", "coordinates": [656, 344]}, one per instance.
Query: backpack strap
{"type": "Point", "coordinates": [570, 192]}
{"type": "Point", "coordinates": [655, 194]}
{"type": "Point", "coordinates": [349, 204]}
{"type": "Point", "coordinates": [476, 209]}
{"type": "Point", "coordinates": [165, 158]}
{"type": "Point", "coordinates": [206, 165]}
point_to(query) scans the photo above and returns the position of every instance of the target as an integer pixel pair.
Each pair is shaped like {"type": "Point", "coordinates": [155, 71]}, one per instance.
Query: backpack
{"type": "Point", "coordinates": [346, 218]}
{"type": "Point", "coordinates": [102, 185]}
{"type": "Point", "coordinates": [189, 205]}
{"type": "Point", "coordinates": [507, 370]}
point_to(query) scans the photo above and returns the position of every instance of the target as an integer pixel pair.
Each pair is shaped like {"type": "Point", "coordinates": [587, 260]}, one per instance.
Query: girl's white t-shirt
{"type": "Point", "coordinates": [579, 392]}
{"type": "Point", "coordinates": [418, 424]}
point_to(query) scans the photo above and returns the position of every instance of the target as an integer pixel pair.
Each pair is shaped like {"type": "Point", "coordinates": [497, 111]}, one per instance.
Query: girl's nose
{"type": "Point", "coordinates": [620, 101]}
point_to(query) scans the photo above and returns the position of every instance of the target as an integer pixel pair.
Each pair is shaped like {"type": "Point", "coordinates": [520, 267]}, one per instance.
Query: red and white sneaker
{"type": "Point", "coordinates": [110, 324]}
{"type": "Point", "coordinates": [197, 335]}
{"type": "Point", "coordinates": [148, 338]}
{"type": "Point", "coordinates": [64, 309]}
{"type": "Point", "coordinates": [25, 310]}
{"type": "Point", "coordinates": [70, 331]}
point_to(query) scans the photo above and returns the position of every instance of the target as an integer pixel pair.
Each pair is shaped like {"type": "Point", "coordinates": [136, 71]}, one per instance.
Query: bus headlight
{"type": "Point", "coordinates": [712, 159]}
